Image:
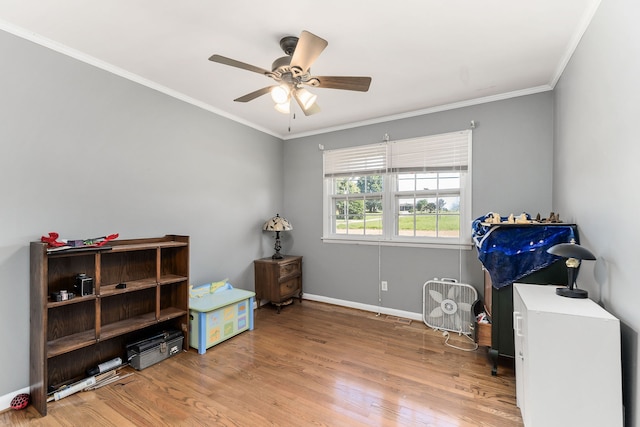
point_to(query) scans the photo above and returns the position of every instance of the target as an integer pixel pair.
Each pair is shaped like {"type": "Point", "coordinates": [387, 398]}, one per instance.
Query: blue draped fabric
{"type": "Point", "coordinates": [510, 252]}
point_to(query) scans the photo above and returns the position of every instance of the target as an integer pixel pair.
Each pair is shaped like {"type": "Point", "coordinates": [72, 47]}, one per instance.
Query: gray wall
{"type": "Point", "coordinates": [86, 153]}
{"type": "Point", "coordinates": [596, 168]}
{"type": "Point", "coordinates": [512, 173]}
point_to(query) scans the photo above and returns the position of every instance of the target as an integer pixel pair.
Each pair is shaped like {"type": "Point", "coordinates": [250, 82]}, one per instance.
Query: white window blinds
{"type": "Point", "coordinates": [437, 153]}
{"type": "Point", "coordinates": [361, 160]}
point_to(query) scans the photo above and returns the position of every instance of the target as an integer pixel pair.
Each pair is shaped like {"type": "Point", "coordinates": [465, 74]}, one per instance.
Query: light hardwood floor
{"type": "Point", "coordinates": [312, 365]}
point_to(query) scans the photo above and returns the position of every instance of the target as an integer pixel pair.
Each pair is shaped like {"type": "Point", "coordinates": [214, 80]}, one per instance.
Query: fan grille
{"type": "Point", "coordinates": [448, 305]}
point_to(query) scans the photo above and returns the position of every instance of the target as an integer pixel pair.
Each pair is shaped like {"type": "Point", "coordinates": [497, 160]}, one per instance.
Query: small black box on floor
{"type": "Point", "coordinates": [147, 352]}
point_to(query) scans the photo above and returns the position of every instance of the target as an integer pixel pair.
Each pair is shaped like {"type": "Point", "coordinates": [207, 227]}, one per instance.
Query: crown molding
{"type": "Point", "coordinates": [88, 59]}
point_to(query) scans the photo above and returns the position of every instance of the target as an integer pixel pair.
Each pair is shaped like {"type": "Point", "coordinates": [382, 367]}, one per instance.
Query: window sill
{"type": "Point", "coordinates": [429, 245]}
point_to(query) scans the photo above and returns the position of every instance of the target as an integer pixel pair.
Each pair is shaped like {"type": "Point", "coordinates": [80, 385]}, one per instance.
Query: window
{"type": "Point", "coordinates": [409, 191]}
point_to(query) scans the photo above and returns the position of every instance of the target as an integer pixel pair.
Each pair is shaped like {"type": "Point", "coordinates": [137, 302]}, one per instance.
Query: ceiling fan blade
{"type": "Point", "coordinates": [232, 62]}
{"type": "Point", "coordinates": [360, 84]}
{"type": "Point", "coordinates": [253, 95]}
{"type": "Point", "coordinates": [307, 50]}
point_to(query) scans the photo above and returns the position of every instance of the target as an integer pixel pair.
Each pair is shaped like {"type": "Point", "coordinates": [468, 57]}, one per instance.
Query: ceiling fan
{"type": "Point", "coordinates": [293, 72]}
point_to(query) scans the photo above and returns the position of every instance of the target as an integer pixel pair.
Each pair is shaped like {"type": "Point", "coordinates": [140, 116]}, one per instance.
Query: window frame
{"type": "Point", "coordinates": [390, 193]}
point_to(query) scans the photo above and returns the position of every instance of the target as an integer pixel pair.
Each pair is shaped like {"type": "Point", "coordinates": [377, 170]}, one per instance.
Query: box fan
{"type": "Point", "coordinates": [447, 305]}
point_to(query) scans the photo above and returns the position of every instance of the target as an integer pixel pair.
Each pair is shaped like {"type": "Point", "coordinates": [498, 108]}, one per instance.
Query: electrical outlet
{"type": "Point", "coordinates": [383, 285]}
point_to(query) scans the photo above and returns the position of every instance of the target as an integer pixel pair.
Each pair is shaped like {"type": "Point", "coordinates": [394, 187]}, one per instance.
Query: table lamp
{"type": "Point", "coordinates": [277, 224]}
{"type": "Point", "coordinates": [574, 254]}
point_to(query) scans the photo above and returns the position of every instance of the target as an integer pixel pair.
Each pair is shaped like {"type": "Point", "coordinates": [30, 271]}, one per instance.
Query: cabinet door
{"type": "Point", "coordinates": [518, 338]}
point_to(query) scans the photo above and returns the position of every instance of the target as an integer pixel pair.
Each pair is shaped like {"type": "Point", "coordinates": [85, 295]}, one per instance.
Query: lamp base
{"type": "Point", "coordinates": [277, 255]}
{"type": "Point", "coordinates": [572, 293]}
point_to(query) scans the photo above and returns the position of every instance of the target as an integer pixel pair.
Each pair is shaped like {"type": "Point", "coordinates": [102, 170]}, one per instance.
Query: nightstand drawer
{"type": "Point", "coordinates": [289, 268]}
{"type": "Point", "coordinates": [289, 287]}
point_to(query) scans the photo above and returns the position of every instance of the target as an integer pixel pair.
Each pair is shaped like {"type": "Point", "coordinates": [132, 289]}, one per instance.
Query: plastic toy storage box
{"type": "Point", "coordinates": [217, 314]}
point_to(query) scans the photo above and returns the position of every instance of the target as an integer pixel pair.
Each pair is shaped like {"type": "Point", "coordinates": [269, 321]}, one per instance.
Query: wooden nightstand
{"type": "Point", "coordinates": [278, 280]}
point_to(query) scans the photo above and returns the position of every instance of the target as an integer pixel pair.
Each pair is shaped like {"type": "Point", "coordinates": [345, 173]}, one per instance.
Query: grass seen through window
{"type": "Point", "coordinates": [448, 225]}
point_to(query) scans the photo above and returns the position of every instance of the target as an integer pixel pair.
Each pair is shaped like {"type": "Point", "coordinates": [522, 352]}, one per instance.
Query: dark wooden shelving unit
{"type": "Point", "coordinates": [68, 337]}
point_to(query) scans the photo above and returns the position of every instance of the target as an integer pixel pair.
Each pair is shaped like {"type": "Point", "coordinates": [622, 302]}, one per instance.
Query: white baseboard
{"type": "Point", "coordinates": [5, 401]}
{"type": "Point", "coordinates": [365, 307]}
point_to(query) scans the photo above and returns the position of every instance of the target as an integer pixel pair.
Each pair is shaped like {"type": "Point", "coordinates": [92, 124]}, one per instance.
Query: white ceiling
{"type": "Point", "coordinates": [423, 55]}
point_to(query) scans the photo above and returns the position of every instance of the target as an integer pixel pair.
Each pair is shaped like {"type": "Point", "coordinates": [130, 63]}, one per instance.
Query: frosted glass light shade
{"type": "Point", "coordinates": [305, 98]}
{"type": "Point", "coordinates": [283, 108]}
{"type": "Point", "coordinates": [280, 94]}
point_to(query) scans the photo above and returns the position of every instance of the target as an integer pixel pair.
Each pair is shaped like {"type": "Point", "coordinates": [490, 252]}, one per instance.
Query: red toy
{"type": "Point", "coordinates": [53, 242]}
{"type": "Point", "coordinates": [20, 401]}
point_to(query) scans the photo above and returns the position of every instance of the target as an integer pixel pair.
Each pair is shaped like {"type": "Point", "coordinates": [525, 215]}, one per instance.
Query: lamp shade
{"type": "Point", "coordinates": [574, 254]}
{"type": "Point", "coordinates": [571, 250]}
{"type": "Point", "coordinates": [277, 223]}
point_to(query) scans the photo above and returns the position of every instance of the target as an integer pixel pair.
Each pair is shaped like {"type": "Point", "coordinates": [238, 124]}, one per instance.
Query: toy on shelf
{"type": "Point", "coordinates": [54, 243]}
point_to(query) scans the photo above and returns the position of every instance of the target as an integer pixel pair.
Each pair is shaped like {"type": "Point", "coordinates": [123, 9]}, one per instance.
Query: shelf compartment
{"type": "Point", "coordinates": [170, 313]}
{"type": "Point", "coordinates": [171, 278]}
{"type": "Point", "coordinates": [174, 261]}
{"type": "Point", "coordinates": [74, 300]}
{"type": "Point", "coordinates": [71, 366]}
{"type": "Point", "coordinates": [126, 306]}
{"type": "Point", "coordinates": [62, 271]}
{"type": "Point", "coordinates": [84, 321]}
{"type": "Point", "coordinates": [174, 295]}
{"type": "Point", "coordinates": [127, 325]}
{"type": "Point", "coordinates": [125, 267]}
{"type": "Point", "coordinates": [138, 322]}
{"type": "Point", "coordinates": [70, 343]}
{"type": "Point", "coordinates": [132, 286]}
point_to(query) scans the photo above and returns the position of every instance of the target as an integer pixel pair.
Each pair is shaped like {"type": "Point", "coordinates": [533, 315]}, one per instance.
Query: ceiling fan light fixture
{"type": "Point", "coordinates": [305, 98]}
{"type": "Point", "coordinates": [292, 71]}
{"type": "Point", "coordinates": [284, 107]}
{"type": "Point", "coordinates": [280, 94]}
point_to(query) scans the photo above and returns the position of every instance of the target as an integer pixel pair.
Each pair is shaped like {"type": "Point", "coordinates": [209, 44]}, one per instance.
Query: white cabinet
{"type": "Point", "coordinates": [567, 355]}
